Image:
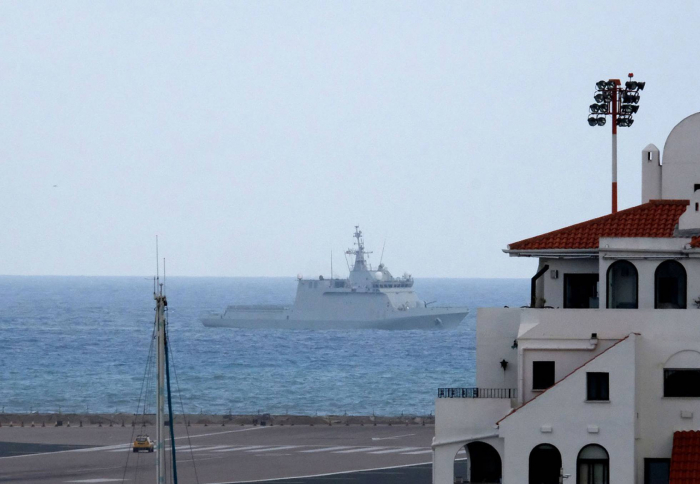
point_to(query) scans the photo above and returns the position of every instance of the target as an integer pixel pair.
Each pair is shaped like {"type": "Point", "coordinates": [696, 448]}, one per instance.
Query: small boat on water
{"type": "Point", "coordinates": [368, 299]}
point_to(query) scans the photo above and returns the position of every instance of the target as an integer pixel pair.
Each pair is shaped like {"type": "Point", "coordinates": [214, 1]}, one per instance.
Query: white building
{"type": "Point", "coordinates": [599, 380]}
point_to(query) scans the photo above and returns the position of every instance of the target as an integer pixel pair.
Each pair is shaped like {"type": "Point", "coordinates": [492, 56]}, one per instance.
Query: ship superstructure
{"type": "Point", "coordinates": [367, 299]}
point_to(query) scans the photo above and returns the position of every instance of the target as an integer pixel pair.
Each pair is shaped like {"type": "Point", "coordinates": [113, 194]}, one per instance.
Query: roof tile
{"type": "Point", "coordinates": [657, 218]}
{"type": "Point", "coordinates": [685, 459]}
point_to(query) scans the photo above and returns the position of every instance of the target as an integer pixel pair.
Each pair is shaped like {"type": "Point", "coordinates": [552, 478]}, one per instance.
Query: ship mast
{"type": "Point", "coordinates": [359, 253]}
{"type": "Point", "coordinates": [161, 303]}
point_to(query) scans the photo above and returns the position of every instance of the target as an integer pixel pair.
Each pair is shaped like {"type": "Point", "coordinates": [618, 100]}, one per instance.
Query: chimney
{"type": "Point", "coordinates": [651, 174]}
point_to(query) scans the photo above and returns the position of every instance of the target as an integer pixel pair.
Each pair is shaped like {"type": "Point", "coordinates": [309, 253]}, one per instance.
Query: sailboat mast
{"type": "Point", "coordinates": [160, 422]}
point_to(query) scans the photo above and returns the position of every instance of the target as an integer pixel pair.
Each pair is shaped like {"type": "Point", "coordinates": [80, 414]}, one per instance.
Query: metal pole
{"type": "Point", "coordinates": [160, 424]}
{"type": "Point", "coordinates": [614, 149]}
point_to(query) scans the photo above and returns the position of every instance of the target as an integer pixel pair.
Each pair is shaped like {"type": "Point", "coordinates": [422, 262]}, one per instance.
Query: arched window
{"type": "Point", "coordinates": [482, 463]}
{"type": "Point", "coordinates": [593, 465]}
{"type": "Point", "coordinates": [545, 465]}
{"type": "Point", "coordinates": [622, 285]}
{"type": "Point", "coordinates": [670, 286]}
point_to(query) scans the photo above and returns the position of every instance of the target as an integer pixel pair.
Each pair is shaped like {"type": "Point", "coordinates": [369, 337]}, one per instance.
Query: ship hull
{"type": "Point", "coordinates": [438, 319]}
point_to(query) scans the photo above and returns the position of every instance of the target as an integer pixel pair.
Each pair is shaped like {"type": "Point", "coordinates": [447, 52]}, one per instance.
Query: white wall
{"type": "Point", "coordinates": [496, 330]}
{"type": "Point", "coordinates": [662, 334]}
{"type": "Point", "coordinates": [456, 418]}
{"type": "Point", "coordinates": [554, 288]}
{"type": "Point", "coordinates": [644, 254]}
{"type": "Point", "coordinates": [566, 360]}
{"type": "Point", "coordinates": [462, 420]}
{"type": "Point", "coordinates": [564, 409]}
{"type": "Point", "coordinates": [660, 416]}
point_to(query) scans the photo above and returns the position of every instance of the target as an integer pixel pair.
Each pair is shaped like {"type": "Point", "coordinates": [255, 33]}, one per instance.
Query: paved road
{"type": "Point", "coordinates": [221, 454]}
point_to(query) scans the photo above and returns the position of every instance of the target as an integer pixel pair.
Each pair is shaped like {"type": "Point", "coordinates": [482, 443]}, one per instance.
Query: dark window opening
{"type": "Point", "coordinates": [696, 187]}
{"type": "Point", "coordinates": [485, 463]}
{"type": "Point", "coordinates": [542, 375]}
{"type": "Point", "coordinates": [580, 291]}
{"type": "Point", "coordinates": [545, 465]}
{"type": "Point", "coordinates": [649, 156]}
{"type": "Point", "coordinates": [657, 471]}
{"type": "Point", "coordinates": [682, 383]}
{"type": "Point", "coordinates": [670, 286]}
{"type": "Point", "coordinates": [598, 386]}
{"type": "Point", "coordinates": [622, 285]}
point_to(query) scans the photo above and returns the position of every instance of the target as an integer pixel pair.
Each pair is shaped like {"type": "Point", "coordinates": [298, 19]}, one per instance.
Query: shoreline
{"type": "Point", "coordinates": [262, 419]}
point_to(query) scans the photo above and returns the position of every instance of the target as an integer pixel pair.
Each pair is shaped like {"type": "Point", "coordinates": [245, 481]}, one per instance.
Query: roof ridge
{"type": "Point", "coordinates": [567, 376]}
{"type": "Point", "coordinates": [622, 214]}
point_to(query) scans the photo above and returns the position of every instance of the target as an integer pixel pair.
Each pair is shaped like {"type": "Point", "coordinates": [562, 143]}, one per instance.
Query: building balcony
{"type": "Point", "coordinates": [474, 392]}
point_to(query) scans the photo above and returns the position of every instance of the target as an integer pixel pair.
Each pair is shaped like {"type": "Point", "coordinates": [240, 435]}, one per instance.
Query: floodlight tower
{"type": "Point", "coordinates": [611, 99]}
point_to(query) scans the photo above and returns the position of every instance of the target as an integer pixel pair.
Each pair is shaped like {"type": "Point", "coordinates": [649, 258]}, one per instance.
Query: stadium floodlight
{"type": "Point", "coordinates": [620, 103]}
{"type": "Point", "coordinates": [630, 97]}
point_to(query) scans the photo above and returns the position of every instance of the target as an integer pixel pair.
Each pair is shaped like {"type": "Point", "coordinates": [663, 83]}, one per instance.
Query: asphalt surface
{"type": "Point", "coordinates": [289, 454]}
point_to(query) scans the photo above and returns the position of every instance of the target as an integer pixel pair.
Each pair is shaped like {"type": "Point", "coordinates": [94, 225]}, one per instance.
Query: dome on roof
{"type": "Point", "coordinates": [681, 160]}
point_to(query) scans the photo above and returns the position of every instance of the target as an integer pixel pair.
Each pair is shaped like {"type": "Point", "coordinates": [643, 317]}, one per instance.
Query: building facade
{"type": "Point", "coordinates": [598, 380]}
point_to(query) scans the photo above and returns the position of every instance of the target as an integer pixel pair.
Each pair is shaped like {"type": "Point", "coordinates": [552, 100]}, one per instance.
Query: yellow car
{"type": "Point", "coordinates": [143, 442]}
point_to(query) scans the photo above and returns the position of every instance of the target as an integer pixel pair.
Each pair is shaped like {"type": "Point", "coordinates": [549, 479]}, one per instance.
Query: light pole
{"type": "Point", "coordinates": [620, 103]}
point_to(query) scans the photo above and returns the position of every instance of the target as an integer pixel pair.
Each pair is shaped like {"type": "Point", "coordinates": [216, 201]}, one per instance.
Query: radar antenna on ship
{"type": "Point", "coordinates": [359, 253]}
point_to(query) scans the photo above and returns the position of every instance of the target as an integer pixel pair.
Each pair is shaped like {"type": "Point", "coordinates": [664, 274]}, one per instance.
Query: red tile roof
{"type": "Point", "coordinates": [695, 242]}
{"type": "Point", "coordinates": [685, 459]}
{"type": "Point", "coordinates": [657, 218]}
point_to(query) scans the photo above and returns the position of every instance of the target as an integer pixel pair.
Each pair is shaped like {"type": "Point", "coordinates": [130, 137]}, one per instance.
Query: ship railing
{"type": "Point", "coordinates": [247, 307]}
{"type": "Point", "coordinates": [477, 392]}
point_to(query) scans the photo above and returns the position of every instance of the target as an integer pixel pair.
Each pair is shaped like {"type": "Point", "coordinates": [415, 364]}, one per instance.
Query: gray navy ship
{"type": "Point", "coordinates": [367, 299]}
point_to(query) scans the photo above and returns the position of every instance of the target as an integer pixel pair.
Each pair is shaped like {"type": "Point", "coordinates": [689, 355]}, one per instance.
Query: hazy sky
{"type": "Point", "coordinates": [252, 136]}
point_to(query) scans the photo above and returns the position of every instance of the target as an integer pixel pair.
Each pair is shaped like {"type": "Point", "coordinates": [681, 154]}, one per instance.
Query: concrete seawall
{"type": "Point", "coordinates": [264, 419]}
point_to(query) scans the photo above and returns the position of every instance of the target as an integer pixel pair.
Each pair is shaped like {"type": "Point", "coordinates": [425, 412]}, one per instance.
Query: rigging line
{"type": "Point", "coordinates": [149, 380]}
{"type": "Point", "coordinates": [138, 405]}
{"type": "Point", "coordinates": [170, 401]}
{"type": "Point", "coordinates": [182, 406]}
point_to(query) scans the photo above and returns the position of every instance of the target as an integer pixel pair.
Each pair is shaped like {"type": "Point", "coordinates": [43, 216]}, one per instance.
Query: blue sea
{"type": "Point", "coordinates": [81, 344]}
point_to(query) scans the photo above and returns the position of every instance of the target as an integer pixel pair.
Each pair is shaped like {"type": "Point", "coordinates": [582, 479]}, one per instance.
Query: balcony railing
{"type": "Point", "coordinates": [477, 392]}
